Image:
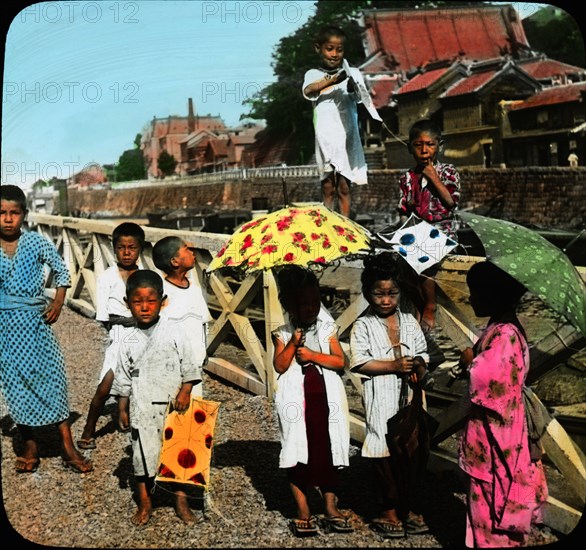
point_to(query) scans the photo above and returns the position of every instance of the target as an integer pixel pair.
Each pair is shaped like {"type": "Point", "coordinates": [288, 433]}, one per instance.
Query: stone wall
{"type": "Point", "coordinates": [551, 197]}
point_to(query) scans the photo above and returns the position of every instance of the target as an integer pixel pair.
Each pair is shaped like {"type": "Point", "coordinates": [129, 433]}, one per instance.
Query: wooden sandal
{"type": "Point", "coordinates": [27, 465]}
{"type": "Point", "coordinates": [415, 524]}
{"type": "Point", "coordinates": [82, 466]}
{"type": "Point", "coordinates": [388, 529]}
{"type": "Point", "coordinates": [304, 527]}
{"type": "Point", "coordinates": [89, 443]}
{"type": "Point", "coordinates": [336, 524]}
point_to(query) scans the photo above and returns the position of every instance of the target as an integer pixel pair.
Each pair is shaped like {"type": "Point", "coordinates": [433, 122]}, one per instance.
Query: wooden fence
{"type": "Point", "coordinates": [87, 249]}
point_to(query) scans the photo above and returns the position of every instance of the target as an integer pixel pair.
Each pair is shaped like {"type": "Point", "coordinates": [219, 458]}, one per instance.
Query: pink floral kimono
{"type": "Point", "coordinates": [507, 489]}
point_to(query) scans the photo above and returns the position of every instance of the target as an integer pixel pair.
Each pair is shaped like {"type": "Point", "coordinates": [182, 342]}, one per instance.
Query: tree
{"type": "Point", "coordinates": [280, 104]}
{"type": "Point", "coordinates": [166, 163]}
{"type": "Point", "coordinates": [557, 34]}
{"type": "Point", "coordinates": [131, 166]}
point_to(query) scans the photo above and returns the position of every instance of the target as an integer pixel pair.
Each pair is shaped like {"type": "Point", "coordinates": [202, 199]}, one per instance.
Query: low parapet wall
{"type": "Point", "coordinates": [551, 197]}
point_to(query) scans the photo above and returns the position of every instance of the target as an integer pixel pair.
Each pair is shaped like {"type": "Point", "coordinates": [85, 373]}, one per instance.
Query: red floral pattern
{"type": "Point", "coordinates": [299, 235]}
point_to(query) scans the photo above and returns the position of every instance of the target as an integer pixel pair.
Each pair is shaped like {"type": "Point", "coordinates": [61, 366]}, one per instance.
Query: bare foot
{"type": "Point", "coordinates": [185, 513]}
{"type": "Point", "coordinates": [142, 515]}
{"type": "Point", "coordinates": [72, 455]}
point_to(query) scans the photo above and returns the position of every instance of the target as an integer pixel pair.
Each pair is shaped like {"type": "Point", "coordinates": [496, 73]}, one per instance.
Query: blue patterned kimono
{"type": "Point", "coordinates": [32, 370]}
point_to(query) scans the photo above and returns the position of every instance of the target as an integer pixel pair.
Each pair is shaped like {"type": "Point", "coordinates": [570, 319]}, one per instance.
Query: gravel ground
{"type": "Point", "coordinates": [248, 504]}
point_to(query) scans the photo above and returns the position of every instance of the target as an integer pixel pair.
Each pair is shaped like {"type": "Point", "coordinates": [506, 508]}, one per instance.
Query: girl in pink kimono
{"type": "Point", "coordinates": [506, 489]}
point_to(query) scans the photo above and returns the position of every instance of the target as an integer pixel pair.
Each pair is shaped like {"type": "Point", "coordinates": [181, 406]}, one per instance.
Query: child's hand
{"type": "Point", "coordinates": [51, 314]}
{"type": "Point", "coordinates": [182, 400]}
{"type": "Point", "coordinates": [466, 357]}
{"type": "Point", "coordinates": [404, 365]}
{"type": "Point", "coordinates": [340, 76]}
{"type": "Point", "coordinates": [298, 337]}
{"type": "Point", "coordinates": [303, 355]}
{"type": "Point", "coordinates": [428, 170]}
{"type": "Point", "coordinates": [419, 369]}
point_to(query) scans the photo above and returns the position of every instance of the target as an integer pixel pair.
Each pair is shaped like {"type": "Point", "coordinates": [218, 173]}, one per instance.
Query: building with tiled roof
{"type": "Point", "coordinates": [410, 39]}
{"type": "Point", "coordinates": [193, 149]}
{"type": "Point", "coordinates": [457, 66]}
{"type": "Point", "coordinates": [216, 155]}
{"type": "Point", "coordinates": [551, 72]}
{"type": "Point", "coordinates": [168, 133]}
{"type": "Point", "coordinates": [546, 127]}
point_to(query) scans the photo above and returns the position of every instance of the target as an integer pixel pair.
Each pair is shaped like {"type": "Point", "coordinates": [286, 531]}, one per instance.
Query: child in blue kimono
{"type": "Point", "coordinates": [32, 368]}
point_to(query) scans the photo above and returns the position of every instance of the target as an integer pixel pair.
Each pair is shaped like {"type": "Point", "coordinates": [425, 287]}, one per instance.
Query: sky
{"type": "Point", "coordinates": [83, 78]}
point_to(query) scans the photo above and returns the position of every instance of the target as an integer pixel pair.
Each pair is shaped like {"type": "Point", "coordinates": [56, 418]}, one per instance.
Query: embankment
{"type": "Point", "coordinates": [549, 197]}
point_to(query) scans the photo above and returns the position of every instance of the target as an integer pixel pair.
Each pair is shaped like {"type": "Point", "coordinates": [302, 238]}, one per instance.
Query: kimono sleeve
{"type": "Point", "coordinates": [122, 383]}
{"type": "Point", "coordinates": [451, 179]}
{"type": "Point", "coordinates": [404, 185]}
{"type": "Point", "coordinates": [360, 346]}
{"type": "Point", "coordinates": [496, 373]}
{"type": "Point", "coordinates": [190, 363]}
{"type": "Point", "coordinates": [102, 295]}
{"type": "Point", "coordinates": [311, 76]}
{"type": "Point", "coordinates": [51, 257]}
{"type": "Point", "coordinates": [419, 342]}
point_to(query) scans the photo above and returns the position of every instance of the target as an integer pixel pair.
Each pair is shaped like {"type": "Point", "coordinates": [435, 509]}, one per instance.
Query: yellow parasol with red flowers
{"type": "Point", "coordinates": [300, 235]}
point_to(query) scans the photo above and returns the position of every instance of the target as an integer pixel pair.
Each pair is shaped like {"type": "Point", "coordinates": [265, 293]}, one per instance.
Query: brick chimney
{"type": "Point", "coordinates": [191, 118]}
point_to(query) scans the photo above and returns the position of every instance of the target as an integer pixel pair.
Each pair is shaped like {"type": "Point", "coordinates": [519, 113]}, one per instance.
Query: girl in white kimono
{"type": "Point", "coordinates": [156, 364]}
{"type": "Point", "coordinates": [311, 401]}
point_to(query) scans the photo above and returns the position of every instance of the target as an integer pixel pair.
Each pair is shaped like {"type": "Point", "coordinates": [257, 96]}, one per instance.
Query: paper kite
{"type": "Point", "coordinates": [420, 244]}
{"type": "Point", "coordinates": [188, 438]}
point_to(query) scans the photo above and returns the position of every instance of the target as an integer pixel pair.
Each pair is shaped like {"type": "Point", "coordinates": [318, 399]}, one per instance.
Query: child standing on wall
{"type": "Point", "coordinates": [338, 147]}
{"type": "Point", "coordinates": [186, 302]}
{"type": "Point", "coordinates": [155, 365]}
{"type": "Point", "coordinates": [111, 309]}
{"type": "Point", "coordinates": [431, 191]}
{"type": "Point", "coordinates": [310, 401]}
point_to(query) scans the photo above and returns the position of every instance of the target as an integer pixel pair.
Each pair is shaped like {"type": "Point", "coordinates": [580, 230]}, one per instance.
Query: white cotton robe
{"type": "Point", "coordinates": [370, 340]}
{"type": "Point", "coordinates": [152, 366]}
{"type": "Point", "coordinates": [290, 405]}
{"type": "Point", "coordinates": [335, 120]}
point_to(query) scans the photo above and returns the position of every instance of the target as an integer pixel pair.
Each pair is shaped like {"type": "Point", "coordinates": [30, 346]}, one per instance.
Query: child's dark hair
{"type": "Point", "coordinates": [426, 126]}
{"type": "Point", "coordinates": [291, 279]}
{"type": "Point", "coordinates": [164, 251]}
{"type": "Point", "coordinates": [128, 229]}
{"type": "Point", "coordinates": [13, 193]}
{"type": "Point", "coordinates": [325, 33]}
{"type": "Point", "coordinates": [144, 278]}
{"type": "Point", "coordinates": [380, 267]}
{"type": "Point", "coordinates": [495, 284]}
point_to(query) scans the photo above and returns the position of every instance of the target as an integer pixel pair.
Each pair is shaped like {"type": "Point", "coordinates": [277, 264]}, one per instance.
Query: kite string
{"type": "Point", "coordinates": [216, 511]}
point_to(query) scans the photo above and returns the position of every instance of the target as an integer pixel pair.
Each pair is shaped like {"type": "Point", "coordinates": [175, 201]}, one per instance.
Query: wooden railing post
{"type": "Point", "coordinates": [273, 319]}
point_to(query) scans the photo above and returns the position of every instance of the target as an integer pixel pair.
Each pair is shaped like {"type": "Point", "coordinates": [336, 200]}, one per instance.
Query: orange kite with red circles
{"type": "Point", "coordinates": [188, 438]}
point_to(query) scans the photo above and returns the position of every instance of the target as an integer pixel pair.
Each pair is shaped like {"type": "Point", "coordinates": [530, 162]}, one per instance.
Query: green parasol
{"type": "Point", "coordinates": [541, 266]}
